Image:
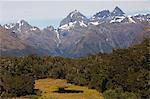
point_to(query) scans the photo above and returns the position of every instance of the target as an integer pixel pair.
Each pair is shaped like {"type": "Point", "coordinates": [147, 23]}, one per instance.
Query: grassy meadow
{"type": "Point", "coordinates": [49, 86]}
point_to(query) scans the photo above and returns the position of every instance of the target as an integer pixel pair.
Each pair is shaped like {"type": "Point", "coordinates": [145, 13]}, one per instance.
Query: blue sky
{"type": "Point", "coordinates": [43, 13]}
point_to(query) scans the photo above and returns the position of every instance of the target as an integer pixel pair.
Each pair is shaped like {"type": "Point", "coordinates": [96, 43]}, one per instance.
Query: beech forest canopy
{"type": "Point", "coordinates": [124, 73]}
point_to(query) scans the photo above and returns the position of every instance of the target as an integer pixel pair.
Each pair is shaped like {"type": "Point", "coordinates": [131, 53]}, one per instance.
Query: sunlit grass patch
{"type": "Point", "coordinates": [50, 86]}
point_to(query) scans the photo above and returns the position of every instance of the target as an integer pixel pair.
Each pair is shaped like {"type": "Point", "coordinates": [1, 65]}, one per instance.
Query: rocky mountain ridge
{"type": "Point", "coordinates": [79, 36]}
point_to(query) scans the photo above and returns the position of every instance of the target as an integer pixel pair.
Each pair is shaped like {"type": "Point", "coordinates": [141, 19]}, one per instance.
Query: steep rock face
{"type": "Point", "coordinates": [9, 41]}
{"type": "Point", "coordinates": [101, 38]}
{"type": "Point", "coordinates": [71, 30]}
{"type": "Point", "coordinates": [49, 40]}
{"type": "Point", "coordinates": [43, 41]}
{"type": "Point", "coordinates": [10, 44]}
{"type": "Point", "coordinates": [142, 35]}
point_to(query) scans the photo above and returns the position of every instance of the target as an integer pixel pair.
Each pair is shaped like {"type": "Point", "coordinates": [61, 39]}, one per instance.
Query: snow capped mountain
{"type": "Point", "coordinates": [117, 16]}
{"type": "Point", "coordinates": [142, 18]}
{"type": "Point", "coordinates": [77, 35]}
{"type": "Point", "coordinates": [77, 20]}
{"type": "Point", "coordinates": [102, 32]}
{"type": "Point", "coordinates": [19, 26]}
{"type": "Point", "coordinates": [74, 19]}
{"type": "Point", "coordinates": [105, 16]}
{"type": "Point", "coordinates": [44, 41]}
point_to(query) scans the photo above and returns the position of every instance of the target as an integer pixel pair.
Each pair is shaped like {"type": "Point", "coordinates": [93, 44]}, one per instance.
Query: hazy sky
{"type": "Point", "coordinates": [43, 12]}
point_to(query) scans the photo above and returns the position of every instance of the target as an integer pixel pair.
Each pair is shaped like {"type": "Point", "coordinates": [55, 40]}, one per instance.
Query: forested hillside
{"type": "Point", "coordinates": [122, 74]}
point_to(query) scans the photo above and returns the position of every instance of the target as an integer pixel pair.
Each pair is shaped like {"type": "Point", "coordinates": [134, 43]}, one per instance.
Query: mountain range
{"type": "Point", "coordinates": [76, 36]}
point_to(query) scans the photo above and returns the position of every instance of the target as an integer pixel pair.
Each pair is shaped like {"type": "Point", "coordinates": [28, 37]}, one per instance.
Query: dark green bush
{"type": "Point", "coordinates": [118, 94]}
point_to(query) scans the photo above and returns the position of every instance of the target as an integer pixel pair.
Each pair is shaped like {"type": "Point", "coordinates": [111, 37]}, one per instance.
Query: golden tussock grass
{"type": "Point", "coordinates": [48, 86]}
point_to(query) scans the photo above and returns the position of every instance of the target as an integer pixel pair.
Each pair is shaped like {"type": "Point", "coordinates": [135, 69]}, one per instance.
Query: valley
{"type": "Point", "coordinates": [102, 56]}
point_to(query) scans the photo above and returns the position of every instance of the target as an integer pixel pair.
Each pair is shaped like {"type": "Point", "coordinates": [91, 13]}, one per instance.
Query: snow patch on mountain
{"type": "Point", "coordinates": [95, 23]}
{"type": "Point", "coordinates": [117, 19]}
{"type": "Point", "coordinates": [6, 27]}
{"type": "Point", "coordinates": [68, 26]}
{"type": "Point", "coordinates": [82, 24]}
{"type": "Point", "coordinates": [58, 37]}
{"type": "Point", "coordinates": [9, 26]}
{"type": "Point", "coordinates": [131, 20]}
{"type": "Point", "coordinates": [20, 24]}
{"type": "Point", "coordinates": [33, 28]}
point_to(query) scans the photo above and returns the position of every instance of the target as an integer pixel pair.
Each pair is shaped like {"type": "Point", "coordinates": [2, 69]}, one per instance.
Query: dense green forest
{"type": "Point", "coordinates": [122, 74]}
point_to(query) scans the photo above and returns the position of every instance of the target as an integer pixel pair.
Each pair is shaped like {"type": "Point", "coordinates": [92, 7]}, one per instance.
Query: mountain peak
{"type": "Point", "coordinates": [75, 14]}
{"type": "Point", "coordinates": [50, 28]}
{"type": "Point", "coordinates": [18, 26]}
{"type": "Point", "coordinates": [117, 7]}
{"type": "Point", "coordinates": [117, 12]}
{"type": "Point", "coordinates": [75, 11]}
{"type": "Point", "coordinates": [102, 14]}
{"type": "Point", "coordinates": [22, 22]}
{"type": "Point", "coordinates": [74, 18]}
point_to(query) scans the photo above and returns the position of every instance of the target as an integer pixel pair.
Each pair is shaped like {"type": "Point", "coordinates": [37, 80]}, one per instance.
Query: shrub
{"type": "Point", "coordinates": [118, 94]}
